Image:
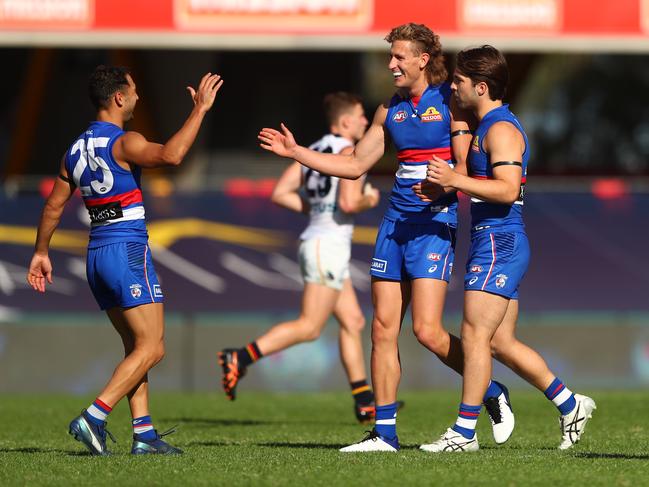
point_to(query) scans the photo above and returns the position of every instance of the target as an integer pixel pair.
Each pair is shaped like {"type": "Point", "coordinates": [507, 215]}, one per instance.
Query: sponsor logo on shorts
{"type": "Point", "coordinates": [432, 268]}
{"type": "Point", "coordinates": [400, 116]}
{"type": "Point", "coordinates": [431, 115]}
{"type": "Point", "coordinates": [379, 265]}
{"type": "Point", "coordinates": [476, 268]}
{"type": "Point", "coordinates": [501, 280]}
{"type": "Point", "coordinates": [157, 291]}
{"type": "Point", "coordinates": [136, 290]}
{"type": "Point", "coordinates": [434, 257]}
{"type": "Point", "coordinates": [473, 280]}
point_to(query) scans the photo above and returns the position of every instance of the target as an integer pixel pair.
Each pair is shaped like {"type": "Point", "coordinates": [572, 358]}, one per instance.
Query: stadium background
{"type": "Point", "coordinates": [227, 258]}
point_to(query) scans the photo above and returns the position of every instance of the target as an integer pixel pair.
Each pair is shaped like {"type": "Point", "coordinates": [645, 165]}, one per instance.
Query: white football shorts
{"type": "Point", "coordinates": [325, 260]}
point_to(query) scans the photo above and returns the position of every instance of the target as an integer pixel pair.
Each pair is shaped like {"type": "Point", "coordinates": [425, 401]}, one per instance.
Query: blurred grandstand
{"type": "Point", "coordinates": [227, 259]}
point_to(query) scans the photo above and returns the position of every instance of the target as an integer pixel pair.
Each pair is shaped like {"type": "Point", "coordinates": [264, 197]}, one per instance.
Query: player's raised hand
{"type": "Point", "coordinates": [281, 143]}
{"type": "Point", "coordinates": [372, 193]}
{"type": "Point", "coordinates": [427, 191]}
{"type": "Point", "coordinates": [40, 270]}
{"type": "Point", "coordinates": [440, 172]}
{"type": "Point", "coordinates": [204, 96]}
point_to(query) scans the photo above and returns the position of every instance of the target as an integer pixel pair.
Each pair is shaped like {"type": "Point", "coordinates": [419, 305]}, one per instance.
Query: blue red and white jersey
{"type": "Point", "coordinates": [111, 193]}
{"type": "Point", "coordinates": [420, 129]}
{"type": "Point", "coordinates": [483, 214]}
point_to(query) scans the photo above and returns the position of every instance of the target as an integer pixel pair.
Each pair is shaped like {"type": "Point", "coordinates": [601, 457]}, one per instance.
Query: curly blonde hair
{"type": "Point", "coordinates": [427, 41]}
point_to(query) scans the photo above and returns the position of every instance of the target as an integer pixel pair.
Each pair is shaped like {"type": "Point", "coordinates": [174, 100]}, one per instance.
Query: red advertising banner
{"type": "Point", "coordinates": [364, 22]}
{"type": "Point", "coordinates": [273, 16]}
{"type": "Point", "coordinates": [46, 14]}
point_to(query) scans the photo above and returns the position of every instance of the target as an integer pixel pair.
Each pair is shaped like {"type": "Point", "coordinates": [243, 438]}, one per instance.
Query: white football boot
{"type": "Point", "coordinates": [574, 423]}
{"type": "Point", "coordinates": [452, 441]}
{"type": "Point", "coordinates": [373, 442]}
{"type": "Point", "coordinates": [501, 415]}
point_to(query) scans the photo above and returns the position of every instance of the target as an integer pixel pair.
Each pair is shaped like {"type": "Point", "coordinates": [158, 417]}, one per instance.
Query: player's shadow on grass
{"type": "Point", "coordinates": [326, 446]}
{"type": "Point", "coordinates": [71, 453]}
{"type": "Point", "coordinates": [219, 422]}
{"type": "Point", "coordinates": [236, 422]}
{"type": "Point", "coordinates": [612, 456]}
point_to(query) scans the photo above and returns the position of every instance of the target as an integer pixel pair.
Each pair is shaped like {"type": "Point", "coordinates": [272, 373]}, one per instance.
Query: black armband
{"type": "Point", "coordinates": [507, 163]}
{"type": "Point", "coordinates": [461, 132]}
{"type": "Point", "coordinates": [66, 179]}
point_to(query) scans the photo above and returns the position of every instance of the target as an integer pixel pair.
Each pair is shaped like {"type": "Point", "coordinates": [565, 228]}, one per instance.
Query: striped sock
{"type": "Point", "coordinates": [467, 420]}
{"type": "Point", "coordinates": [362, 392]}
{"type": "Point", "coordinates": [98, 411]}
{"type": "Point", "coordinates": [386, 420]}
{"type": "Point", "coordinates": [143, 427]}
{"type": "Point", "coordinates": [561, 396]}
{"type": "Point", "coordinates": [249, 354]}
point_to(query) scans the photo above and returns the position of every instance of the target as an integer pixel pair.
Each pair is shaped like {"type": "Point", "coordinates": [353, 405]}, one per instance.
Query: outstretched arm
{"type": "Point", "coordinates": [133, 148]}
{"type": "Point", "coordinates": [40, 268]}
{"type": "Point", "coordinates": [367, 153]}
{"type": "Point", "coordinates": [286, 192]}
{"type": "Point", "coordinates": [503, 142]}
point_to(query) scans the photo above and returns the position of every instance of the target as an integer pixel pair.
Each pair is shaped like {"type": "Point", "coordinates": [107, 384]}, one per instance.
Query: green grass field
{"type": "Point", "coordinates": [292, 439]}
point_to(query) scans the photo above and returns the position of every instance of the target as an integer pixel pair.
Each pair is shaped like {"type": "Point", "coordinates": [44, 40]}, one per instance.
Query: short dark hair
{"type": "Point", "coordinates": [425, 40]}
{"type": "Point", "coordinates": [104, 82]}
{"type": "Point", "coordinates": [485, 64]}
{"type": "Point", "coordinates": [339, 103]}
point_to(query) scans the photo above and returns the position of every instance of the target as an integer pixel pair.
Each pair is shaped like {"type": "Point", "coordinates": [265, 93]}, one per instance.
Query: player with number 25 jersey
{"type": "Point", "coordinates": [119, 266]}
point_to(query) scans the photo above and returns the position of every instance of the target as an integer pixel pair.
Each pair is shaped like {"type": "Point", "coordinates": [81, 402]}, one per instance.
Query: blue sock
{"type": "Point", "coordinates": [143, 427]}
{"type": "Point", "coordinates": [386, 420]}
{"type": "Point", "coordinates": [494, 390]}
{"type": "Point", "coordinates": [561, 396]}
{"type": "Point", "coordinates": [467, 420]}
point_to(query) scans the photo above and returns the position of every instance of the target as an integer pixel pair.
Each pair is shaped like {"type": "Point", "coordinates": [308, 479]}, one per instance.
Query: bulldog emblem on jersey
{"type": "Point", "coordinates": [400, 116]}
{"type": "Point", "coordinates": [136, 290]}
{"type": "Point", "coordinates": [501, 280]}
{"type": "Point", "coordinates": [431, 115]}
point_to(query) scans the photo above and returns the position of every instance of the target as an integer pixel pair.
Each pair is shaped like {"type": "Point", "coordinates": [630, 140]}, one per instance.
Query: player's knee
{"type": "Point", "coordinates": [311, 334]}
{"type": "Point", "coordinates": [308, 330]}
{"type": "Point", "coordinates": [355, 323]}
{"type": "Point", "coordinates": [500, 346]}
{"type": "Point", "coordinates": [382, 331]}
{"type": "Point", "coordinates": [433, 338]}
{"type": "Point", "coordinates": [159, 353]}
{"type": "Point", "coordinates": [154, 354]}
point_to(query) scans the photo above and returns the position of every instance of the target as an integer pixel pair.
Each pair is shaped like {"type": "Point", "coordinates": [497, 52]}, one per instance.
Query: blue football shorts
{"type": "Point", "coordinates": [406, 251]}
{"type": "Point", "coordinates": [122, 274]}
{"type": "Point", "coordinates": [497, 262]}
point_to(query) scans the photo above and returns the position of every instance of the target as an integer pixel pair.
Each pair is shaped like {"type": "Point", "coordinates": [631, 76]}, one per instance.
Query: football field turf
{"type": "Point", "coordinates": [293, 439]}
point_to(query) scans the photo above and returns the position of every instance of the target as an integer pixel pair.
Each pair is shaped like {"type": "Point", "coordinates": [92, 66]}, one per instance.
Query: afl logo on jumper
{"type": "Point", "coordinates": [476, 268]}
{"type": "Point", "coordinates": [431, 115]}
{"type": "Point", "coordinates": [400, 116]}
{"type": "Point", "coordinates": [435, 257]}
